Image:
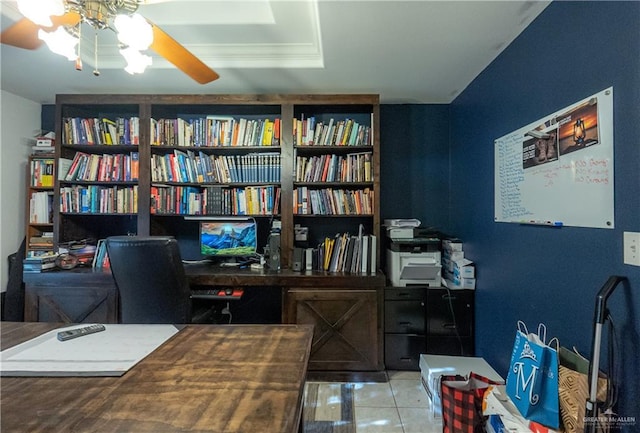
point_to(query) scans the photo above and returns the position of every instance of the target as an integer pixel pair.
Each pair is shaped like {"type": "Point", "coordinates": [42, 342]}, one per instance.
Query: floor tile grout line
{"type": "Point", "coordinates": [393, 394]}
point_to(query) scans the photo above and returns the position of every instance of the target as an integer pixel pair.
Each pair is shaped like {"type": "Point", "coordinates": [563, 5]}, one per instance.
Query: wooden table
{"type": "Point", "coordinates": [206, 378]}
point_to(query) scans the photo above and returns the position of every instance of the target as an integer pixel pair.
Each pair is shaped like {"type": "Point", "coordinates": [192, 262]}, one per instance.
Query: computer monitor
{"type": "Point", "coordinates": [228, 238]}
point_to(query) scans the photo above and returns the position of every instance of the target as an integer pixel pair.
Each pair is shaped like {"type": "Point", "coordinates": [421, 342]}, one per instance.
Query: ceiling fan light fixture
{"type": "Point", "coordinates": [134, 31]}
{"type": "Point", "coordinates": [40, 11]}
{"type": "Point", "coordinates": [60, 42]}
{"type": "Point", "coordinates": [136, 61]}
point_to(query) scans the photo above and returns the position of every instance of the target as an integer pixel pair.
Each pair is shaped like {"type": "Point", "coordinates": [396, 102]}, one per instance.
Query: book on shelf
{"type": "Point", "coordinates": [343, 253]}
{"type": "Point", "coordinates": [101, 258]}
{"type": "Point", "coordinates": [189, 167]}
{"type": "Point", "coordinates": [104, 131]}
{"type": "Point", "coordinates": [41, 171]}
{"type": "Point", "coordinates": [214, 200]}
{"type": "Point", "coordinates": [215, 131]}
{"type": "Point", "coordinates": [41, 207]}
{"type": "Point", "coordinates": [347, 132]}
{"type": "Point", "coordinates": [43, 240]}
{"type": "Point", "coordinates": [119, 167]}
{"type": "Point", "coordinates": [353, 167]}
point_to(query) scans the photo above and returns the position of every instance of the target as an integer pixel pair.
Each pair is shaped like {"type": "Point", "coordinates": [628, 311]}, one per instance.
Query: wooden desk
{"type": "Point", "coordinates": [345, 309]}
{"type": "Point", "coordinates": [207, 378]}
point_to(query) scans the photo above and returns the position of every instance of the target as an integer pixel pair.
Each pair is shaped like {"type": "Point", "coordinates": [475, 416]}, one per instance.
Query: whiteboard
{"type": "Point", "coordinates": [559, 170]}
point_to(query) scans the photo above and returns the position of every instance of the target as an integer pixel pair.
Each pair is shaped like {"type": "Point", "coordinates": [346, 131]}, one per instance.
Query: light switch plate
{"type": "Point", "coordinates": [631, 241]}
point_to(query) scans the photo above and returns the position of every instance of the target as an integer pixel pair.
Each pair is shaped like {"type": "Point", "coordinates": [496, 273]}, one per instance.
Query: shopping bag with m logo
{"type": "Point", "coordinates": [532, 380]}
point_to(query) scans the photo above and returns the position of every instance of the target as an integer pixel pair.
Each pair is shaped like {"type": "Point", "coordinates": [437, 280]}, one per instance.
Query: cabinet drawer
{"type": "Point", "coordinates": [405, 294]}
{"type": "Point", "coordinates": [450, 313]}
{"type": "Point", "coordinates": [404, 317]}
{"type": "Point", "coordinates": [402, 352]}
{"type": "Point", "coordinates": [450, 346]}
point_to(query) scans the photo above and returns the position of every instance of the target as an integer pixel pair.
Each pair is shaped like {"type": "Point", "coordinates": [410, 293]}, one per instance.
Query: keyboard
{"type": "Point", "coordinates": [225, 294]}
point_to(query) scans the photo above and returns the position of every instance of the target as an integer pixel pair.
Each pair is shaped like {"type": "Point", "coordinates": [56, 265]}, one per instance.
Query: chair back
{"type": "Point", "coordinates": [150, 278]}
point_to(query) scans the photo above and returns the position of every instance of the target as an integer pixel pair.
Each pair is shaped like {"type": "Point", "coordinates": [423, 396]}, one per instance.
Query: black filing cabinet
{"type": "Point", "coordinates": [418, 320]}
{"type": "Point", "coordinates": [404, 327]}
{"type": "Point", "coordinates": [450, 318]}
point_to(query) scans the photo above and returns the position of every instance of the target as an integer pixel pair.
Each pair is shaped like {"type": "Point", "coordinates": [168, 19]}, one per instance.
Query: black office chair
{"type": "Point", "coordinates": [150, 278]}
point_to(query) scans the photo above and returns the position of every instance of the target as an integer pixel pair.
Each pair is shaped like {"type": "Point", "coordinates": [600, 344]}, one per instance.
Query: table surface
{"type": "Point", "coordinates": [206, 378]}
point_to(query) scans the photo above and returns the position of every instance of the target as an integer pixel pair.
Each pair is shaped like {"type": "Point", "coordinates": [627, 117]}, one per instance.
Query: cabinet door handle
{"type": "Point", "coordinates": [403, 295]}
{"type": "Point", "coordinates": [449, 326]}
{"type": "Point", "coordinates": [449, 297]}
{"type": "Point", "coordinates": [404, 323]}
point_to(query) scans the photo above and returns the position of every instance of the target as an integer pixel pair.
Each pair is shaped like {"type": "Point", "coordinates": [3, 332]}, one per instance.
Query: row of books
{"type": "Point", "coordinates": [190, 167]}
{"type": "Point", "coordinates": [215, 131]}
{"type": "Point", "coordinates": [215, 200]}
{"type": "Point", "coordinates": [121, 131]}
{"type": "Point", "coordinates": [329, 201]}
{"type": "Point", "coordinates": [354, 167]}
{"type": "Point", "coordinates": [347, 253]}
{"type": "Point", "coordinates": [99, 199]}
{"type": "Point", "coordinates": [347, 132]}
{"type": "Point", "coordinates": [41, 207]}
{"type": "Point", "coordinates": [41, 172]}
{"type": "Point", "coordinates": [119, 167]}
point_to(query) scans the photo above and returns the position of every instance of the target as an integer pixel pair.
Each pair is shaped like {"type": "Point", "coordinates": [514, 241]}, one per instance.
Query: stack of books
{"type": "Point", "coordinates": [43, 240]}
{"type": "Point", "coordinates": [39, 264]}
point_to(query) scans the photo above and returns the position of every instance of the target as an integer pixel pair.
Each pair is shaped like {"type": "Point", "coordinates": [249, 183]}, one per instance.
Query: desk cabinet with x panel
{"type": "Point", "coordinates": [64, 297]}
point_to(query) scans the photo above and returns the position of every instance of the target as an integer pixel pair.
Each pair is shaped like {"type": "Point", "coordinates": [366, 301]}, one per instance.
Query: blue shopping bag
{"type": "Point", "coordinates": [532, 380]}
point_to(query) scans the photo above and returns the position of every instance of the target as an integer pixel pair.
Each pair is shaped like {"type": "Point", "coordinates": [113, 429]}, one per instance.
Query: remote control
{"type": "Point", "coordinates": [79, 332]}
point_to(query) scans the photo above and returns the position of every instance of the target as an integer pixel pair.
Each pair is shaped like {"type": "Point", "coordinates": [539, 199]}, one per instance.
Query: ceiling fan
{"type": "Point", "coordinates": [64, 20]}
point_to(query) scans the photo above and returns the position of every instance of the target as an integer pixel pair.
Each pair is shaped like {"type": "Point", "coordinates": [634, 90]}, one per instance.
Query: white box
{"type": "Point", "coordinates": [432, 367]}
{"type": "Point", "coordinates": [463, 269]}
{"type": "Point", "coordinates": [44, 142]}
{"type": "Point", "coordinates": [452, 244]}
{"type": "Point", "coordinates": [463, 283]}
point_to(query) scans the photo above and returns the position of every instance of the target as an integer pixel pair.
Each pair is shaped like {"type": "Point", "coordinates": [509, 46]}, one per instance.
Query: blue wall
{"type": "Point", "coordinates": [541, 274]}
{"type": "Point", "coordinates": [415, 163]}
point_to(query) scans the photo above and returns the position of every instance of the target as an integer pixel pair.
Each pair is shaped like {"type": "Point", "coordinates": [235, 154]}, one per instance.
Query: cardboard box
{"type": "Point", "coordinates": [432, 367]}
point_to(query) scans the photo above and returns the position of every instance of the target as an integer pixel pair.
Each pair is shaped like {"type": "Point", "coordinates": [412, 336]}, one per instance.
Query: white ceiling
{"type": "Point", "coordinates": [406, 51]}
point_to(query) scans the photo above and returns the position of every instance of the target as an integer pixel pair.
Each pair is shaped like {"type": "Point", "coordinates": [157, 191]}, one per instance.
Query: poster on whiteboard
{"type": "Point", "coordinates": [558, 170]}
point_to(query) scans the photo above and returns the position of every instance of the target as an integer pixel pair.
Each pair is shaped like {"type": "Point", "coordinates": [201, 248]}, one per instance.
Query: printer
{"type": "Point", "coordinates": [413, 257]}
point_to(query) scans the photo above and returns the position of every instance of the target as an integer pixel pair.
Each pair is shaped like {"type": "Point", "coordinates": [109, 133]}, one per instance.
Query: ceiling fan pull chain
{"type": "Point", "coordinates": [79, 58]}
{"type": "Point", "coordinates": [96, 72]}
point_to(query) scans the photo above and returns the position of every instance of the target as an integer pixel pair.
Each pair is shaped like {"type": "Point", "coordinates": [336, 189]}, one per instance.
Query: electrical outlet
{"type": "Point", "coordinates": [631, 241]}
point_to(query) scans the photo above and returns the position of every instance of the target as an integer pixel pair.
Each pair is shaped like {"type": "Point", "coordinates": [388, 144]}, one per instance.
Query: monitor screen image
{"type": "Point", "coordinates": [228, 238]}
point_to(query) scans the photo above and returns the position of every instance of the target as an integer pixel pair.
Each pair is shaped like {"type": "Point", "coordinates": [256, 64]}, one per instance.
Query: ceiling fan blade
{"type": "Point", "coordinates": [24, 33]}
{"type": "Point", "coordinates": [182, 58]}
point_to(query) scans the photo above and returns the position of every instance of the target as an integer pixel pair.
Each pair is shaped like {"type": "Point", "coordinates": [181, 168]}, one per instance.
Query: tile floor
{"type": "Point", "coordinates": [400, 405]}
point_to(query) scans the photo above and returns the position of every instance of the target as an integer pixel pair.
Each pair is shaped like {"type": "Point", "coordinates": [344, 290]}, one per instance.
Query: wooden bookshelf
{"type": "Point", "coordinates": [40, 204]}
{"type": "Point", "coordinates": [180, 155]}
{"type": "Point", "coordinates": [189, 148]}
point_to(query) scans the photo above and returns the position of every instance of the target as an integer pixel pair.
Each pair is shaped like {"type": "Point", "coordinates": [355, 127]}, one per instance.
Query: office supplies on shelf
{"type": "Point", "coordinates": [109, 353]}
